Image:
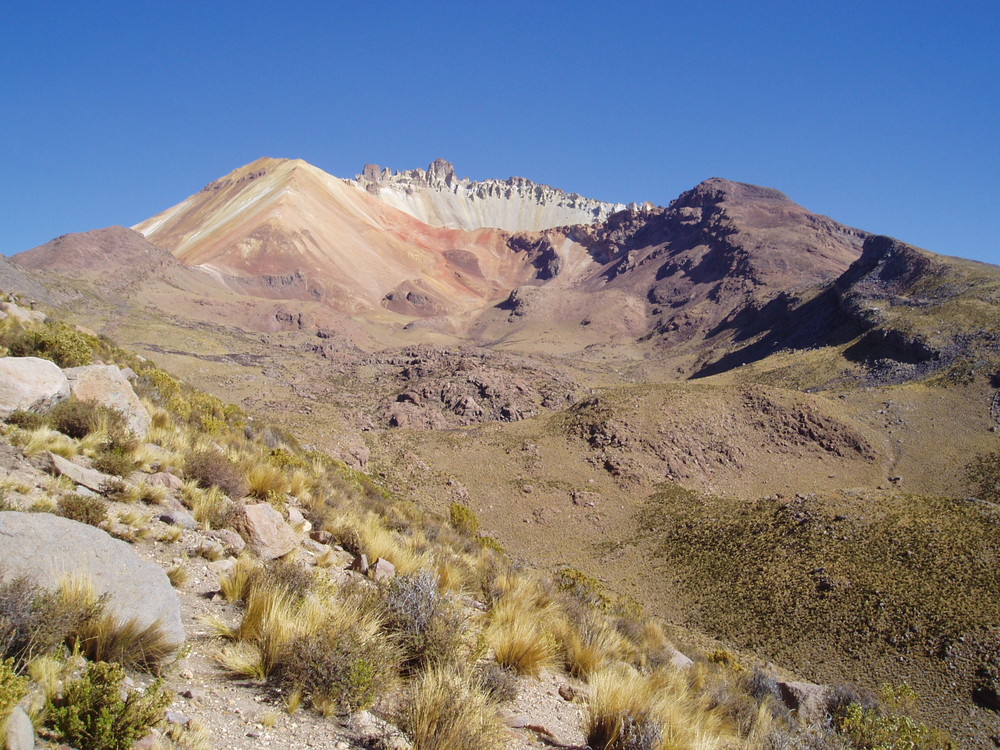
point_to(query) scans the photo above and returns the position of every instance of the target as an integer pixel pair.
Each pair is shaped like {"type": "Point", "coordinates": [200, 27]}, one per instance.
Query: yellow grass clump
{"type": "Point", "coordinates": [450, 712]}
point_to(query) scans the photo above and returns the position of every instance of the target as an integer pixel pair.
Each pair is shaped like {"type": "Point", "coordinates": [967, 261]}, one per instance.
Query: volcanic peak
{"type": "Point", "coordinates": [438, 197]}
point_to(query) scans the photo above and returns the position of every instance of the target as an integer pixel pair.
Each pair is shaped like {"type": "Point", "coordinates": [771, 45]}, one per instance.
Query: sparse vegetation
{"type": "Point", "coordinates": [84, 508]}
{"type": "Point", "coordinates": [91, 713]}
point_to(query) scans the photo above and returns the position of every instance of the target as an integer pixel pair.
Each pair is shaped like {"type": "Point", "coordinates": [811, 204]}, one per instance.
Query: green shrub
{"type": "Point", "coordinates": [213, 468]}
{"type": "Point", "coordinates": [117, 462]}
{"type": "Point", "coordinates": [64, 345]}
{"type": "Point", "coordinates": [13, 687]}
{"type": "Point", "coordinates": [871, 729]}
{"type": "Point", "coordinates": [285, 460]}
{"type": "Point", "coordinates": [83, 508]}
{"type": "Point", "coordinates": [27, 420]}
{"type": "Point", "coordinates": [463, 519]}
{"type": "Point", "coordinates": [92, 715]}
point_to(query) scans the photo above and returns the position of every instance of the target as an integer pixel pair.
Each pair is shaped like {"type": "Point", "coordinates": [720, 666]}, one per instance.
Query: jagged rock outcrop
{"type": "Point", "coordinates": [47, 549]}
{"type": "Point", "coordinates": [438, 197]}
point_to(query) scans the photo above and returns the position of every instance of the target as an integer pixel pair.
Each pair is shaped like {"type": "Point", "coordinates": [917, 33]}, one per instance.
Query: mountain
{"type": "Point", "coordinates": [439, 198]}
{"type": "Point", "coordinates": [761, 423]}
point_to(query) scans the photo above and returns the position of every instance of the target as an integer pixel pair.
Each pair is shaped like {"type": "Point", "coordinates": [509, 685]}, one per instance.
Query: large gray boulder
{"type": "Point", "coordinates": [47, 549]}
{"type": "Point", "coordinates": [106, 385]}
{"type": "Point", "coordinates": [30, 384]}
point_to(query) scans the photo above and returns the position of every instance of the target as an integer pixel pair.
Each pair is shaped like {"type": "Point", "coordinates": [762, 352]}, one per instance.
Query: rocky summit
{"type": "Point", "coordinates": [511, 449]}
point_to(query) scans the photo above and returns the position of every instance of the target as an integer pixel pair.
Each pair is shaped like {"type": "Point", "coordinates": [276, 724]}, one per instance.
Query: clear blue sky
{"type": "Point", "coordinates": [883, 115]}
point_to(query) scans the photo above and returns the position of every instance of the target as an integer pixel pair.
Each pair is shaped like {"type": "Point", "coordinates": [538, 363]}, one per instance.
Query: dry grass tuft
{"type": "Point", "coordinates": [520, 637]}
{"type": "Point", "coordinates": [658, 711]}
{"type": "Point", "coordinates": [449, 711]}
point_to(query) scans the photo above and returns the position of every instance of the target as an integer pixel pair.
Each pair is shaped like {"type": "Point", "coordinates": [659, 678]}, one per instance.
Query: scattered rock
{"type": "Point", "coordinates": [265, 531]}
{"type": "Point", "coordinates": [382, 570]}
{"type": "Point", "coordinates": [176, 717]}
{"type": "Point", "coordinates": [89, 478]}
{"type": "Point", "coordinates": [323, 537]}
{"type": "Point", "coordinates": [105, 385]}
{"type": "Point", "coordinates": [360, 564]}
{"type": "Point", "coordinates": [679, 660]}
{"type": "Point", "coordinates": [179, 518]}
{"type": "Point", "coordinates": [60, 547]}
{"type": "Point", "coordinates": [30, 384]}
{"type": "Point", "coordinates": [22, 314]}
{"type": "Point", "coordinates": [165, 479]}
{"type": "Point", "coordinates": [375, 732]}
{"type": "Point", "coordinates": [229, 539]}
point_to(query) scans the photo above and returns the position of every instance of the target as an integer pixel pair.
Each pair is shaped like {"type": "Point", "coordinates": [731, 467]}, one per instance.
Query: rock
{"type": "Point", "coordinates": [807, 699]}
{"type": "Point", "coordinates": [20, 734]}
{"type": "Point", "coordinates": [150, 742]}
{"type": "Point", "coordinates": [23, 314]}
{"type": "Point", "coordinates": [165, 479]}
{"type": "Point", "coordinates": [323, 537]}
{"type": "Point", "coordinates": [179, 518]}
{"type": "Point", "coordinates": [987, 696]}
{"type": "Point", "coordinates": [222, 567]}
{"type": "Point", "coordinates": [105, 385]}
{"type": "Point", "coordinates": [193, 695]}
{"type": "Point", "coordinates": [176, 717]}
{"type": "Point", "coordinates": [265, 531]}
{"type": "Point", "coordinates": [679, 660]}
{"type": "Point", "coordinates": [586, 499]}
{"type": "Point", "coordinates": [59, 466]}
{"type": "Point", "coordinates": [60, 548]}
{"type": "Point", "coordinates": [297, 520]}
{"type": "Point", "coordinates": [229, 539]}
{"type": "Point", "coordinates": [30, 384]}
{"type": "Point", "coordinates": [382, 570]}
{"type": "Point", "coordinates": [373, 731]}
{"type": "Point", "coordinates": [360, 564]}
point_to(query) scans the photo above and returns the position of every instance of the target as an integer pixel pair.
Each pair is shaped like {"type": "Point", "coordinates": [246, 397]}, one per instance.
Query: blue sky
{"type": "Point", "coordinates": [881, 115]}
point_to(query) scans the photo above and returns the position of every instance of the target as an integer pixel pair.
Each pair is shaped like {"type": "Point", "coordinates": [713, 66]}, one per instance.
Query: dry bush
{"type": "Point", "coordinates": [343, 666]}
{"type": "Point", "coordinates": [426, 625]}
{"type": "Point", "coordinates": [83, 508]}
{"type": "Point", "coordinates": [590, 644]}
{"type": "Point", "coordinates": [449, 711]}
{"type": "Point", "coordinates": [34, 622]}
{"type": "Point", "coordinates": [212, 468]}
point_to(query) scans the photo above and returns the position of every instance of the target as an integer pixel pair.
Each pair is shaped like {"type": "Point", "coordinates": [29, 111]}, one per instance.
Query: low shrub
{"type": "Point", "coordinates": [27, 420]}
{"type": "Point", "coordinates": [83, 508]}
{"type": "Point", "coordinates": [427, 627]}
{"type": "Point", "coordinates": [463, 519]}
{"type": "Point", "coordinates": [116, 462]}
{"type": "Point", "coordinates": [13, 687]}
{"type": "Point", "coordinates": [34, 621]}
{"type": "Point", "coordinates": [212, 468]}
{"type": "Point", "coordinates": [80, 418]}
{"type": "Point", "coordinates": [64, 345]}
{"type": "Point", "coordinates": [91, 713]}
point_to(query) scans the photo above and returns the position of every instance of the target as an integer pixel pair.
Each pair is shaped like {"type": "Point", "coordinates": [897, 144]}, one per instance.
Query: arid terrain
{"type": "Point", "coordinates": [757, 423]}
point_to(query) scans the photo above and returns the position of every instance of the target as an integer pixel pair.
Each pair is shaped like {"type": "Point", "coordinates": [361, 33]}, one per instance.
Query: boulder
{"type": "Point", "coordinates": [47, 549]}
{"type": "Point", "coordinates": [165, 479]}
{"type": "Point", "coordinates": [265, 531]}
{"type": "Point", "coordinates": [20, 733]}
{"type": "Point", "coordinates": [23, 314]}
{"type": "Point", "coordinates": [89, 478]}
{"type": "Point", "coordinates": [106, 385]}
{"type": "Point", "coordinates": [30, 384]}
{"type": "Point", "coordinates": [809, 700]}
{"type": "Point", "coordinates": [231, 541]}
{"type": "Point", "coordinates": [180, 518]}
{"type": "Point", "coordinates": [382, 571]}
